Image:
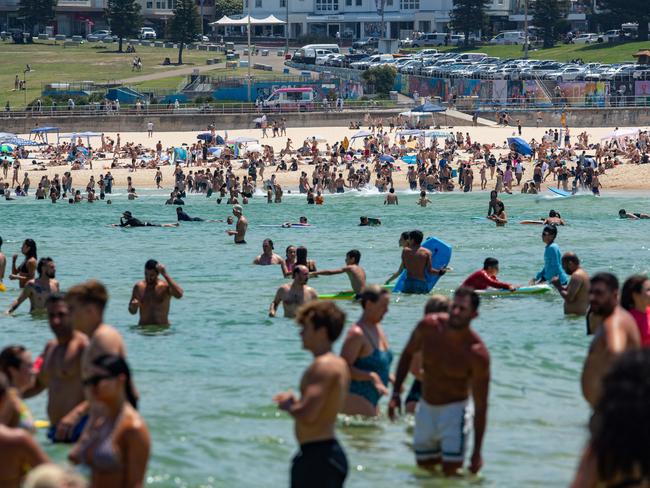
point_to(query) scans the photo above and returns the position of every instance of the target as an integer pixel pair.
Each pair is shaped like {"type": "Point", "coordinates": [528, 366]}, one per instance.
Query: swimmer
{"type": "Point", "coordinates": [128, 220]}
{"type": "Point", "coordinates": [423, 201]}
{"type": "Point", "coordinates": [184, 217]}
{"type": "Point", "coordinates": [242, 225]}
{"type": "Point", "coordinates": [391, 198]}
{"type": "Point", "coordinates": [27, 270]}
{"type": "Point", "coordinates": [632, 216]}
{"type": "Point", "coordinates": [554, 218]}
{"type": "Point", "coordinates": [576, 292]}
{"type": "Point", "coordinates": [303, 222]}
{"type": "Point", "coordinates": [456, 364]}
{"type": "Point", "coordinates": [435, 304]}
{"type": "Point", "coordinates": [3, 266]}
{"type": "Point", "coordinates": [324, 386]}
{"type": "Point", "coordinates": [617, 334]}
{"type": "Point", "coordinates": [38, 290]}
{"type": "Point", "coordinates": [487, 277]}
{"type": "Point", "coordinates": [355, 273]}
{"type": "Point", "coordinates": [369, 221]}
{"type": "Point", "coordinates": [499, 217]}
{"type": "Point", "coordinates": [295, 294]}
{"type": "Point", "coordinates": [60, 374]}
{"type": "Point", "coordinates": [368, 355]}
{"type": "Point", "coordinates": [268, 257]}
{"type": "Point", "coordinates": [552, 259]}
{"type": "Point", "coordinates": [152, 296]}
{"type": "Point", "coordinates": [416, 260]}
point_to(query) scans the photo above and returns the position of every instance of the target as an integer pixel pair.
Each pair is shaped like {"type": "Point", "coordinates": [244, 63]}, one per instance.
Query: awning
{"type": "Point", "coordinates": [226, 21]}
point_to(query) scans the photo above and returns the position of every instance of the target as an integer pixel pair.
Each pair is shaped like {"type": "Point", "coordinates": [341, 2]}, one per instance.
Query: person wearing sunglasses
{"type": "Point", "coordinates": [116, 443]}
{"type": "Point", "coordinates": [552, 259]}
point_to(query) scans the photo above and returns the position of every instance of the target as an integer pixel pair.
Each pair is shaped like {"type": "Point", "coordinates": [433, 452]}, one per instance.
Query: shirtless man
{"type": "Point", "coordinates": [268, 257]}
{"type": "Point", "coordinates": [416, 261]}
{"type": "Point", "coordinates": [38, 290]}
{"type": "Point", "coordinates": [617, 334]}
{"type": "Point", "coordinates": [455, 364]}
{"type": "Point", "coordinates": [355, 273]}
{"type": "Point", "coordinates": [152, 296]}
{"type": "Point", "coordinates": [86, 303]}
{"type": "Point", "coordinates": [60, 373]}
{"type": "Point", "coordinates": [553, 219]}
{"type": "Point", "coordinates": [391, 198]}
{"type": "Point", "coordinates": [324, 386]}
{"type": "Point", "coordinates": [293, 295]}
{"type": "Point", "coordinates": [576, 292]}
{"type": "Point", "coordinates": [632, 216]}
{"type": "Point", "coordinates": [242, 225]}
{"type": "Point", "coordinates": [423, 201]}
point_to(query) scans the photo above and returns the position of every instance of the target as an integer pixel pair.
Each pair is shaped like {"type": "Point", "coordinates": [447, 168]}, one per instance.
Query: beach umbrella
{"type": "Point", "coordinates": [361, 133]}
{"type": "Point", "coordinates": [346, 143]}
{"type": "Point", "coordinates": [618, 133]}
{"type": "Point", "coordinates": [6, 148]}
{"type": "Point", "coordinates": [19, 141]}
{"type": "Point", "coordinates": [438, 133]}
{"type": "Point", "coordinates": [206, 136]}
{"type": "Point", "coordinates": [409, 132]}
{"type": "Point", "coordinates": [521, 146]}
{"type": "Point", "coordinates": [251, 148]}
{"type": "Point", "coordinates": [409, 159]}
{"type": "Point", "coordinates": [386, 158]}
{"type": "Point", "coordinates": [429, 107]}
{"type": "Point", "coordinates": [6, 135]}
{"type": "Point", "coordinates": [245, 139]}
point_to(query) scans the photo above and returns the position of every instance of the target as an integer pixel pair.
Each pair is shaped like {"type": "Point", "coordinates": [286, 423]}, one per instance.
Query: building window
{"type": "Point", "coordinates": [327, 5]}
{"type": "Point", "coordinates": [389, 3]}
{"type": "Point", "coordinates": [409, 4]}
{"type": "Point", "coordinates": [283, 3]}
{"type": "Point", "coordinates": [149, 4]}
{"type": "Point", "coordinates": [170, 4]}
{"type": "Point", "coordinates": [258, 3]}
{"type": "Point", "coordinates": [359, 2]}
{"type": "Point", "coordinates": [348, 3]}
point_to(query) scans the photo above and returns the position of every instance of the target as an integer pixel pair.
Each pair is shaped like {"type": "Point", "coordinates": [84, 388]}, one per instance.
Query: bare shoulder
{"type": "Point", "coordinates": [354, 333]}
{"type": "Point", "coordinates": [330, 365]}
{"type": "Point", "coordinates": [479, 350]}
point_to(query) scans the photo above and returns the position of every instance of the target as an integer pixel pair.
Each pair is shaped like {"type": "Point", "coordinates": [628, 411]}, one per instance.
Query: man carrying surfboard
{"type": "Point", "coordinates": [416, 260]}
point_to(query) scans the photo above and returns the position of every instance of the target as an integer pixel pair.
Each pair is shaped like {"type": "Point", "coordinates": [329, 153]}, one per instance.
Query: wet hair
{"type": "Point", "coordinates": [10, 358]}
{"type": "Point", "coordinates": [286, 251]}
{"type": "Point", "coordinates": [553, 213]}
{"type": "Point", "coordinates": [322, 314]}
{"type": "Point", "coordinates": [1, 241]}
{"type": "Point", "coordinates": [466, 291]}
{"type": "Point", "coordinates": [269, 241]}
{"type": "Point", "coordinates": [89, 292]}
{"type": "Point", "coordinates": [618, 434]}
{"type": "Point", "coordinates": [417, 236]}
{"type": "Point", "coordinates": [31, 249]}
{"type": "Point", "coordinates": [117, 365]}
{"type": "Point", "coordinates": [550, 229]}
{"type": "Point", "coordinates": [634, 284]}
{"type": "Point", "coordinates": [150, 264]}
{"type": "Point", "coordinates": [354, 254]}
{"type": "Point", "coordinates": [610, 281]}
{"type": "Point", "coordinates": [301, 255]}
{"type": "Point", "coordinates": [54, 298]}
{"type": "Point", "coordinates": [570, 257]}
{"type": "Point", "coordinates": [371, 293]}
{"type": "Point", "coordinates": [490, 263]}
{"type": "Point", "coordinates": [404, 236]}
{"type": "Point", "coordinates": [436, 304]}
{"type": "Point", "coordinates": [622, 212]}
{"type": "Point", "coordinates": [4, 385]}
{"type": "Point", "coordinates": [42, 263]}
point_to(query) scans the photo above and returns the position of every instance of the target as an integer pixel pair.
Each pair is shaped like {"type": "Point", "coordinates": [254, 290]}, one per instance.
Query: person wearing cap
{"type": "Point", "coordinates": [241, 227]}
{"type": "Point", "coordinates": [128, 220]}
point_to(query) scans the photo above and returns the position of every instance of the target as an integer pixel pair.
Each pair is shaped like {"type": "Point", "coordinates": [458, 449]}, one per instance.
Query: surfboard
{"type": "Point", "coordinates": [560, 192]}
{"type": "Point", "coordinates": [521, 291]}
{"type": "Point", "coordinates": [297, 226]}
{"type": "Point", "coordinates": [532, 222]}
{"type": "Point", "coordinates": [440, 257]}
{"type": "Point", "coordinates": [345, 295]}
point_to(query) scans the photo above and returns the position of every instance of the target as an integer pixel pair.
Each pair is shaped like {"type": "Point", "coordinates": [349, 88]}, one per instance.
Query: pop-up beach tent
{"type": "Point", "coordinates": [43, 132]}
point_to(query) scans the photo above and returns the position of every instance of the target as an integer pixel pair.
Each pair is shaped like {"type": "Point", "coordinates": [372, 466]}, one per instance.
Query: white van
{"type": "Point", "coordinates": [329, 47]}
{"type": "Point", "coordinates": [509, 37]}
{"type": "Point", "coordinates": [472, 57]}
{"type": "Point", "coordinates": [433, 39]}
{"type": "Point", "coordinates": [309, 55]}
{"type": "Point", "coordinates": [291, 99]}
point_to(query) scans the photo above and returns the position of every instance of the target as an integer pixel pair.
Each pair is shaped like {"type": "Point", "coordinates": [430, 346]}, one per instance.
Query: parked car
{"type": "Point", "coordinates": [375, 58]}
{"type": "Point", "coordinates": [586, 38]}
{"type": "Point", "coordinates": [611, 35]}
{"type": "Point", "coordinates": [101, 35]}
{"type": "Point", "coordinates": [509, 37]}
{"type": "Point", "coordinates": [147, 33]}
{"type": "Point", "coordinates": [567, 73]}
{"type": "Point", "coordinates": [368, 42]}
{"type": "Point", "coordinates": [321, 59]}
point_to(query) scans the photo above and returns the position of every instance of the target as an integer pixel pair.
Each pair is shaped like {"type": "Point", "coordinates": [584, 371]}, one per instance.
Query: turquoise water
{"type": "Point", "coordinates": [206, 383]}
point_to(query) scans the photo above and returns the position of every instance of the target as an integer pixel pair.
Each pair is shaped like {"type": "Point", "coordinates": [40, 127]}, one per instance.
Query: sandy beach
{"type": "Point", "coordinates": [623, 177]}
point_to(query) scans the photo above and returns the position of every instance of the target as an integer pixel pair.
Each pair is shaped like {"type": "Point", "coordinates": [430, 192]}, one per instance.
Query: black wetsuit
{"type": "Point", "coordinates": [320, 464]}
{"type": "Point", "coordinates": [133, 222]}
{"type": "Point", "coordinates": [186, 218]}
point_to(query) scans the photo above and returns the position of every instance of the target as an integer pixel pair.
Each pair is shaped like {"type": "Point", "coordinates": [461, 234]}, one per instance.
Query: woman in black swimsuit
{"type": "Point", "coordinates": [301, 258]}
{"type": "Point", "coordinates": [27, 270]}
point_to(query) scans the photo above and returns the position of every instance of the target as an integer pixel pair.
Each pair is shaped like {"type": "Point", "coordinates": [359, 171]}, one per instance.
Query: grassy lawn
{"type": "Point", "coordinates": [589, 53]}
{"type": "Point", "coordinates": [90, 61]}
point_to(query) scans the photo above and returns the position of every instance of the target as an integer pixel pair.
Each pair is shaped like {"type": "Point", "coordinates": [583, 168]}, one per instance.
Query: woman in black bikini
{"type": "Point", "coordinates": [27, 270]}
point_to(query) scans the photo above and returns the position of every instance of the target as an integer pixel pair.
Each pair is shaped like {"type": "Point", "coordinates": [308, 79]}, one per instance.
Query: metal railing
{"type": "Point", "coordinates": [216, 108]}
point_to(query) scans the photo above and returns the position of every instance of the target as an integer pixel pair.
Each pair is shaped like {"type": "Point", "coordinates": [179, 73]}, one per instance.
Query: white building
{"type": "Point", "coordinates": [356, 18]}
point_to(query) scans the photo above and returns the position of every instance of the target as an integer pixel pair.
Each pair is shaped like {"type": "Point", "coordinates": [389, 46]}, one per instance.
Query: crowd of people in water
{"type": "Point", "coordinates": [93, 398]}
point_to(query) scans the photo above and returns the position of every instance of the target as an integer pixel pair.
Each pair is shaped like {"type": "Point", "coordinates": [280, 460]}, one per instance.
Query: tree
{"type": "Point", "coordinates": [548, 16]}
{"type": "Point", "coordinates": [382, 78]}
{"type": "Point", "coordinates": [629, 11]}
{"type": "Point", "coordinates": [228, 7]}
{"type": "Point", "coordinates": [185, 25]}
{"type": "Point", "coordinates": [124, 18]}
{"type": "Point", "coordinates": [36, 12]}
{"type": "Point", "coordinates": [468, 16]}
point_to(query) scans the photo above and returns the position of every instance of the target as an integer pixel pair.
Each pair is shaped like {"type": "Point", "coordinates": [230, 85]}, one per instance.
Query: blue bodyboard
{"type": "Point", "coordinates": [440, 257]}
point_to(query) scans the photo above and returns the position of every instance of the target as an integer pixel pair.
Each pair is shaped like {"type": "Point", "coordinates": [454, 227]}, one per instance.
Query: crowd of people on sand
{"type": "Point", "coordinates": [93, 399]}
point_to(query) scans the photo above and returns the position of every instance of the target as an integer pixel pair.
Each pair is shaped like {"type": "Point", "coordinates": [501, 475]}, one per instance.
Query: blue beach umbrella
{"type": "Point", "coordinates": [409, 159]}
{"type": "Point", "coordinates": [521, 146]}
{"type": "Point", "coordinates": [385, 158]}
{"type": "Point", "coordinates": [6, 148]}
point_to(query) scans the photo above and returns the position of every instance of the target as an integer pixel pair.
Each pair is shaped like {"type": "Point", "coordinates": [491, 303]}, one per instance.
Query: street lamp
{"type": "Point", "coordinates": [27, 69]}
{"type": "Point", "coordinates": [249, 50]}
{"type": "Point", "coordinates": [525, 29]}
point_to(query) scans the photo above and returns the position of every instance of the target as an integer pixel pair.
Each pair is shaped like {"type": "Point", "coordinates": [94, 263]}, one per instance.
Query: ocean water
{"type": "Point", "coordinates": [207, 381]}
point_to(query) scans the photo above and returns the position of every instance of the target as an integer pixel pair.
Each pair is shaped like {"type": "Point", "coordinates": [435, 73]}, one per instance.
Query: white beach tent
{"type": "Point", "coordinates": [620, 133]}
